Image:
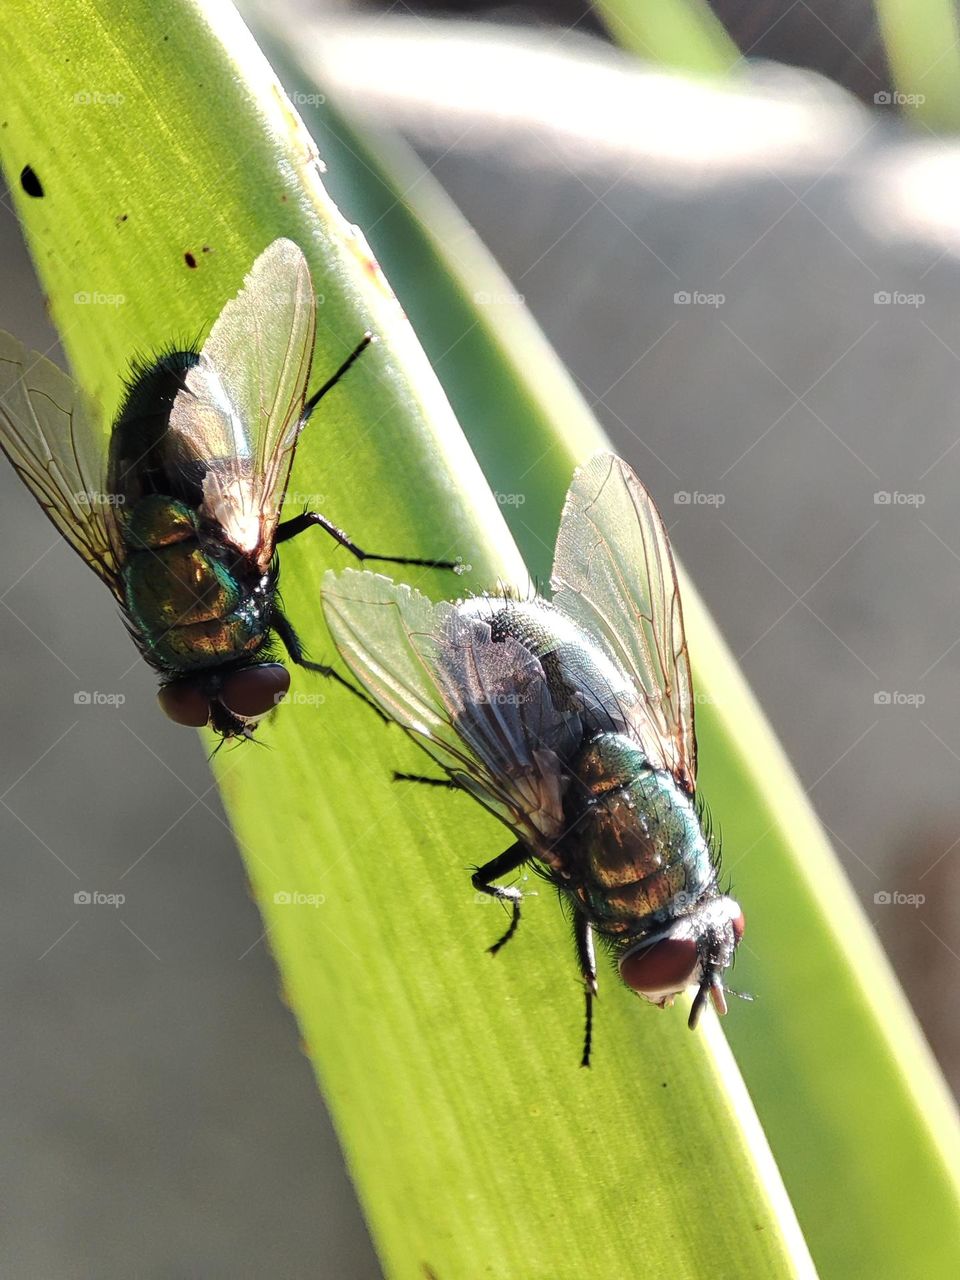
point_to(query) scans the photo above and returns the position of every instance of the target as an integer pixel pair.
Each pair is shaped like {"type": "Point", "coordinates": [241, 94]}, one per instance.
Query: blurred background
{"type": "Point", "coordinates": [754, 280]}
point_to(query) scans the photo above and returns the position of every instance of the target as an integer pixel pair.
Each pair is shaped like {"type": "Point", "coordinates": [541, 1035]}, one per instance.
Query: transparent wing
{"type": "Point", "coordinates": [613, 573]}
{"type": "Point", "coordinates": [481, 708]}
{"type": "Point", "coordinates": [46, 437]}
{"type": "Point", "coordinates": [242, 406]}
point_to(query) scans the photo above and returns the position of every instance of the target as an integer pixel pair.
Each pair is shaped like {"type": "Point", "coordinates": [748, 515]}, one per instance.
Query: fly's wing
{"type": "Point", "coordinates": [46, 437]}
{"type": "Point", "coordinates": [613, 573]}
{"type": "Point", "coordinates": [242, 404]}
{"type": "Point", "coordinates": [481, 708]}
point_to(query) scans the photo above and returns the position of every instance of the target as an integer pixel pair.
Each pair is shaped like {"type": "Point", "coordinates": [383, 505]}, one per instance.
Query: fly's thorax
{"type": "Point", "coordinates": [635, 852]}
{"type": "Point", "coordinates": [581, 677]}
{"type": "Point", "coordinates": [145, 456]}
{"type": "Point", "coordinates": [535, 623]}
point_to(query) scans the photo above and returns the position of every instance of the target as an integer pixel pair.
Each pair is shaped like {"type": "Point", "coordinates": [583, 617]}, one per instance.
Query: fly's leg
{"type": "Point", "coordinates": [427, 782]}
{"type": "Point", "coordinates": [290, 528]}
{"type": "Point", "coordinates": [298, 524]}
{"type": "Point", "coordinates": [367, 339]}
{"type": "Point", "coordinates": [586, 954]}
{"type": "Point", "coordinates": [291, 642]}
{"type": "Point", "coordinates": [510, 860]}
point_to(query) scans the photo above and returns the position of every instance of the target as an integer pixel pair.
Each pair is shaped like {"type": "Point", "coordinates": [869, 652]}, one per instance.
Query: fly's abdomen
{"type": "Point", "coordinates": [636, 851]}
{"type": "Point", "coordinates": [191, 608]}
{"type": "Point", "coordinates": [214, 642]}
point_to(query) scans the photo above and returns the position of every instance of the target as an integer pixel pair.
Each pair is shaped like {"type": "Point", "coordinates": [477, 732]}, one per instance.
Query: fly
{"type": "Point", "coordinates": [184, 525]}
{"type": "Point", "coordinates": [571, 720]}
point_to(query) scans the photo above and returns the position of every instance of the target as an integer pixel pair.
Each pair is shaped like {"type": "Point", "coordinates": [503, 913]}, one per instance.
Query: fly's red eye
{"type": "Point", "coordinates": [185, 703]}
{"type": "Point", "coordinates": [738, 924]}
{"type": "Point", "coordinates": [255, 690]}
{"type": "Point", "coordinates": [664, 969]}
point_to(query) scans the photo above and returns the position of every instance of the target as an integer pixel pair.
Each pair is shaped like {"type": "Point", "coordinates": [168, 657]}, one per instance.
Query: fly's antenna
{"type": "Point", "coordinates": [367, 340]}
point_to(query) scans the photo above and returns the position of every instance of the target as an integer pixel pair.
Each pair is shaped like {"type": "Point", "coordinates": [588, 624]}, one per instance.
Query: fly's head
{"type": "Point", "coordinates": [693, 950]}
{"type": "Point", "coordinates": [230, 703]}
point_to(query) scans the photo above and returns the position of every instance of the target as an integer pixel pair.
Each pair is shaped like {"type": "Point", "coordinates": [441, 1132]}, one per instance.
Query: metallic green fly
{"type": "Point", "coordinates": [571, 720]}
{"type": "Point", "coordinates": [183, 522]}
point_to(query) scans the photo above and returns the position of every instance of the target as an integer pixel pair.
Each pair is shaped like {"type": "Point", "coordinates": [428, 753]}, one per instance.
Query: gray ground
{"type": "Point", "coordinates": [137, 1040]}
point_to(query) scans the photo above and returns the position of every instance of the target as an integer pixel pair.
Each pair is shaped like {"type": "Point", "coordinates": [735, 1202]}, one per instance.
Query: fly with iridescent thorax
{"type": "Point", "coordinates": [571, 720]}
{"type": "Point", "coordinates": [183, 520]}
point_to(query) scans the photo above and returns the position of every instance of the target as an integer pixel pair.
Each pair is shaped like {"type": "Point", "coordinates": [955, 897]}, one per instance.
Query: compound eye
{"type": "Point", "coordinates": [664, 969]}
{"type": "Point", "coordinates": [185, 703]}
{"type": "Point", "coordinates": [254, 691]}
